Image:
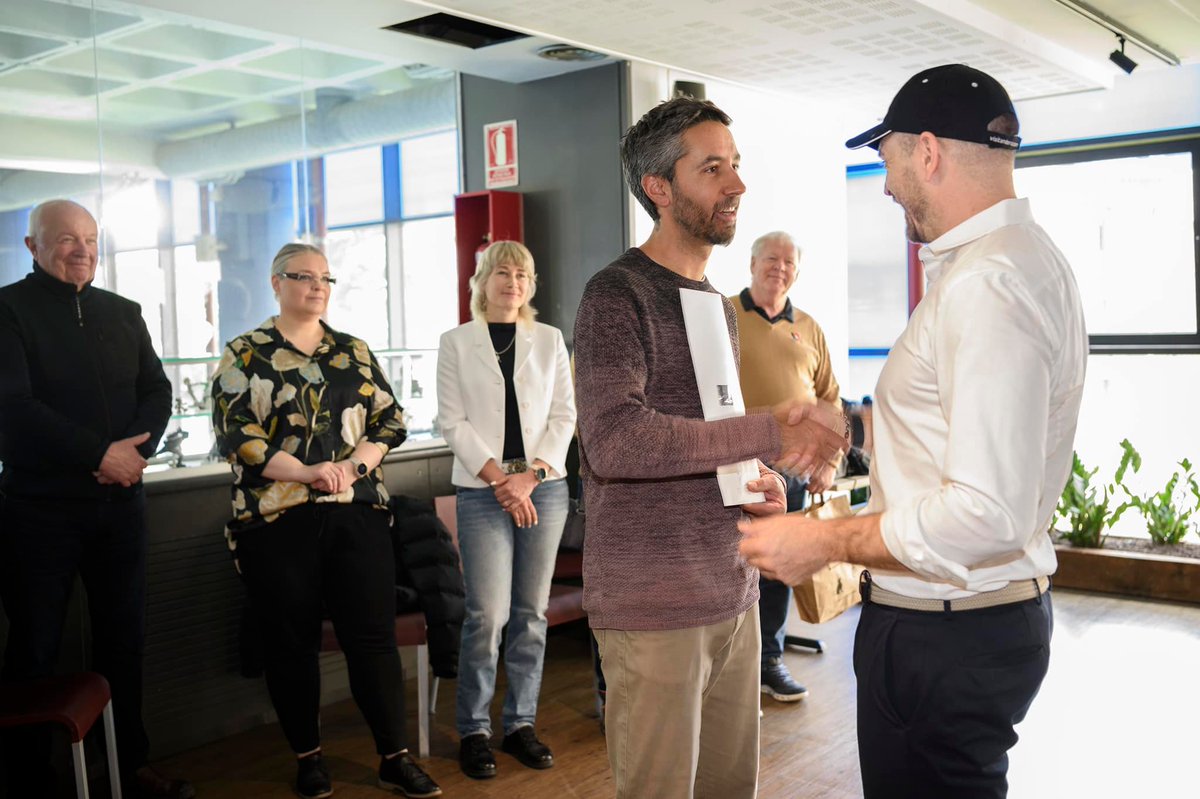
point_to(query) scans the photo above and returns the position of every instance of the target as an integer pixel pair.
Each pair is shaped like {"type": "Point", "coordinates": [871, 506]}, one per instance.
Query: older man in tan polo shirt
{"type": "Point", "coordinates": [783, 357]}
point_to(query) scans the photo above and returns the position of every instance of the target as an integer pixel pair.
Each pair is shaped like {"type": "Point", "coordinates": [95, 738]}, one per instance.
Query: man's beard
{"type": "Point", "coordinates": [698, 223]}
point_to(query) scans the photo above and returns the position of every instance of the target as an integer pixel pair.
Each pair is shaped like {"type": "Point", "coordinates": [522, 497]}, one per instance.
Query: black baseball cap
{"type": "Point", "coordinates": [952, 101]}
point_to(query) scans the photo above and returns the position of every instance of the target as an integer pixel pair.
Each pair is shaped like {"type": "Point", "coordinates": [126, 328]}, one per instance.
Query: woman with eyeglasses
{"type": "Point", "coordinates": [304, 415]}
{"type": "Point", "coordinates": [506, 407]}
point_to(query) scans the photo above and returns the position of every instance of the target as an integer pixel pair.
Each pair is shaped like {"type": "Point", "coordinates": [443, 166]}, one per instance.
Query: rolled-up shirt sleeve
{"type": "Point", "coordinates": [993, 362]}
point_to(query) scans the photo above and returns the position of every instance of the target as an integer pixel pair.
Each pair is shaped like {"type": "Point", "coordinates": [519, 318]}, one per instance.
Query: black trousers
{"type": "Point", "coordinates": [940, 693]}
{"type": "Point", "coordinates": [44, 544]}
{"type": "Point", "coordinates": [338, 558]}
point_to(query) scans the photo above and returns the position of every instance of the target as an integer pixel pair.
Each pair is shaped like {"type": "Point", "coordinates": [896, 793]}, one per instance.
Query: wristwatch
{"type": "Point", "coordinates": [539, 473]}
{"type": "Point", "coordinates": [360, 468]}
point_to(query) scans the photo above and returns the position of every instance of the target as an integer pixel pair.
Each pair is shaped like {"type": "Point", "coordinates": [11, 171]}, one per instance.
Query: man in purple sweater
{"type": "Point", "coordinates": [672, 604]}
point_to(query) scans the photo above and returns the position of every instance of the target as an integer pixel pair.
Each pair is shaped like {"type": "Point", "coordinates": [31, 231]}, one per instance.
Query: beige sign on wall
{"type": "Point", "coordinates": [500, 147]}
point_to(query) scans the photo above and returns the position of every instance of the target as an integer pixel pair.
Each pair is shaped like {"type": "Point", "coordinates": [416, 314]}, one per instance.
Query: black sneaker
{"type": "Point", "coordinates": [778, 683]}
{"type": "Point", "coordinates": [475, 757]}
{"type": "Point", "coordinates": [401, 773]}
{"type": "Point", "coordinates": [523, 744]}
{"type": "Point", "coordinates": [312, 780]}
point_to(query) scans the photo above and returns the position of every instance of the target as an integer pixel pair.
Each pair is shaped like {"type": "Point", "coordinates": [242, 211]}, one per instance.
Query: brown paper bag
{"type": "Point", "coordinates": [834, 587]}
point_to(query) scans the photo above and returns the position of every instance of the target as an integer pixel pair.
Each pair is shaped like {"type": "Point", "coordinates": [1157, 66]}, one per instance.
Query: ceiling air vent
{"type": "Point", "coordinates": [569, 52]}
{"type": "Point", "coordinates": [456, 30]}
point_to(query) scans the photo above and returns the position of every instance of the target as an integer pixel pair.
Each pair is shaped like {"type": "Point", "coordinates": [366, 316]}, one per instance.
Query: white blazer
{"type": "Point", "coordinates": [470, 390]}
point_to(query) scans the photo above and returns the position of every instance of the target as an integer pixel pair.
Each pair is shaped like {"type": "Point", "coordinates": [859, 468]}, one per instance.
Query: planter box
{"type": "Point", "coordinates": [1128, 573]}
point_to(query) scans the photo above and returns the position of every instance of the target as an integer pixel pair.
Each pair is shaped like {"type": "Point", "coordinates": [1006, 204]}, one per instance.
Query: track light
{"type": "Point", "coordinates": [1122, 32]}
{"type": "Point", "coordinates": [1119, 58]}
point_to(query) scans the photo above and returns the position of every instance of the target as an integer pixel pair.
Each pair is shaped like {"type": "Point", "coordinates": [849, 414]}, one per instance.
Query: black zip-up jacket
{"type": "Point", "coordinates": [77, 372]}
{"type": "Point", "coordinates": [427, 561]}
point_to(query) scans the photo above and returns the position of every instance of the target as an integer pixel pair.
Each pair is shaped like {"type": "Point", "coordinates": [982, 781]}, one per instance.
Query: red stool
{"type": "Point", "coordinates": [74, 701]}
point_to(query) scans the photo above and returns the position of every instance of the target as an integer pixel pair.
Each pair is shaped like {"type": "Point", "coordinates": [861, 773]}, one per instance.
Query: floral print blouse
{"type": "Point", "coordinates": [268, 397]}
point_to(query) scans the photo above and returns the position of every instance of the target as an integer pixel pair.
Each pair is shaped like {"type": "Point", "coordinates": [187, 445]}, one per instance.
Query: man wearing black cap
{"type": "Point", "coordinates": [975, 418]}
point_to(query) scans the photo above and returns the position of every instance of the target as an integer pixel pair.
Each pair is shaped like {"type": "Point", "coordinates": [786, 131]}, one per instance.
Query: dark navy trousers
{"type": "Point", "coordinates": [939, 694]}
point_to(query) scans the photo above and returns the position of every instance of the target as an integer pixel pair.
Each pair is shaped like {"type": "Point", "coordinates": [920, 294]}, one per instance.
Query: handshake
{"type": "Point", "coordinates": [813, 436]}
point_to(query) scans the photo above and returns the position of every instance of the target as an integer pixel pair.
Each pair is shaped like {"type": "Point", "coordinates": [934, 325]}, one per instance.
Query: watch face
{"type": "Point", "coordinates": [540, 474]}
{"type": "Point", "coordinates": [362, 470]}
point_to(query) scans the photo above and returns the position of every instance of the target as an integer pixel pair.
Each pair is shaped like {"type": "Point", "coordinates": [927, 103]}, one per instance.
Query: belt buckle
{"type": "Point", "coordinates": [516, 466]}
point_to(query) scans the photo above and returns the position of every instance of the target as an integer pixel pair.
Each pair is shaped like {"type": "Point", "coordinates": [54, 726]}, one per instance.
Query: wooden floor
{"type": "Point", "coordinates": [1117, 717]}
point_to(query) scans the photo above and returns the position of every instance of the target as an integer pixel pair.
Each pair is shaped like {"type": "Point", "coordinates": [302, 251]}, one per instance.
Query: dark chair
{"type": "Point", "coordinates": [75, 701]}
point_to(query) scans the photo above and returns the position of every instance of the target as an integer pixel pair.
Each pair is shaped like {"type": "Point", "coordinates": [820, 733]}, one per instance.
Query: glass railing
{"type": "Point", "coordinates": [189, 441]}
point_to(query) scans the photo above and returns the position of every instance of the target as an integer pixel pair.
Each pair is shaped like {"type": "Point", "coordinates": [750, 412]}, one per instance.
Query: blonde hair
{"type": "Point", "coordinates": [289, 251]}
{"type": "Point", "coordinates": [497, 254]}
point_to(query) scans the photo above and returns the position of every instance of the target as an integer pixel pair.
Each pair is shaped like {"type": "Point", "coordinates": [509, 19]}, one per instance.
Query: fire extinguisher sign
{"type": "Point", "coordinates": [500, 146]}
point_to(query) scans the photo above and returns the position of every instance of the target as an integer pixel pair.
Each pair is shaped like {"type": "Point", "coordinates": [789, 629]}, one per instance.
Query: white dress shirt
{"type": "Point", "coordinates": [471, 398]}
{"type": "Point", "coordinates": [976, 408]}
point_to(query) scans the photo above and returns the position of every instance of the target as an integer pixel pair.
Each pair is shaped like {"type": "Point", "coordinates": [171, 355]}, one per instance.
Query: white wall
{"type": "Point", "coordinates": [1158, 99]}
{"type": "Point", "coordinates": [792, 184]}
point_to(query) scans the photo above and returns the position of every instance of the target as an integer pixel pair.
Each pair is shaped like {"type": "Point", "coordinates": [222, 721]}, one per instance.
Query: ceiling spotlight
{"type": "Point", "coordinates": [1119, 58]}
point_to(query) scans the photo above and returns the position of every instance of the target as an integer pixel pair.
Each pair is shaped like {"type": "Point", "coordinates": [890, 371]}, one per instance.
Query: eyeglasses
{"type": "Point", "coordinates": [306, 278]}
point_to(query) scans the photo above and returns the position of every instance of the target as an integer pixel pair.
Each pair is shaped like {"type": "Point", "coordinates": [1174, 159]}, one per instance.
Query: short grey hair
{"type": "Point", "coordinates": [775, 235]}
{"type": "Point", "coordinates": [655, 143]}
{"type": "Point", "coordinates": [497, 254]}
{"type": "Point", "coordinates": [289, 251]}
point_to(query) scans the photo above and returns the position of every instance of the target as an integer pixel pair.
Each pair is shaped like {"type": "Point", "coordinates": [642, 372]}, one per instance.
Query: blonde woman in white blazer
{"type": "Point", "coordinates": [506, 407]}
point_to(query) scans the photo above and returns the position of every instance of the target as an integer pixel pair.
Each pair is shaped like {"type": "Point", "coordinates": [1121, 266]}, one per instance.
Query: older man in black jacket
{"type": "Point", "coordinates": [83, 402]}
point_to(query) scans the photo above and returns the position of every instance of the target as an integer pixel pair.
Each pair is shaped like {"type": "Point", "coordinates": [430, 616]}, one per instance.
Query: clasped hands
{"type": "Point", "coordinates": [813, 436]}
{"type": "Point", "coordinates": [513, 494]}
{"type": "Point", "coordinates": [332, 477]}
{"type": "Point", "coordinates": [789, 548]}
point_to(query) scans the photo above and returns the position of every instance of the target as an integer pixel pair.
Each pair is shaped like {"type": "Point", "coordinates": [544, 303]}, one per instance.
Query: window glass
{"type": "Point", "coordinates": [354, 187]}
{"type": "Point", "coordinates": [185, 211]}
{"type": "Point", "coordinates": [878, 268]}
{"type": "Point", "coordinates": [358, 303]}
{"type": "Point", "coordinates": [864, 375]}
{"type": "Point", "coordinates": [140, 278]}
{"type": "Point", "coordinates": [1147, 399]}
{"type": "Point", "coordinates": [196, 304]}
{"type": "Point", "coordinates": [132, 216]}
{"type": "Point", "coordinates": [1126, 225]}
{"type": "Point", "coordinates": [208, 151]}
{"type": "Point", "coordinates": [430, 280]}
{"type": "Point", "coordinates": [429, 174]}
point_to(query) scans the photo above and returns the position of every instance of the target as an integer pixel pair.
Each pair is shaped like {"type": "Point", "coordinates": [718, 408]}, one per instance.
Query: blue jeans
{"type": "Point", "coordinates": [775, 597]}
{"type": "Point", "coordinates": [507, 572]}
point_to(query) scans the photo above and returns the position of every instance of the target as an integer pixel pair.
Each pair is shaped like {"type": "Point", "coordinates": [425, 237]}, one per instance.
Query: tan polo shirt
{"type": "Point", "coordinates": [782, 359]}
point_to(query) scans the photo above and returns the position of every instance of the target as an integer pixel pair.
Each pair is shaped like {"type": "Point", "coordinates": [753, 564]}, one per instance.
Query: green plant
{"type": "Point", "coordinates": [1078, 506]}
{"type": "Point", "coordinates": [1168, 518]}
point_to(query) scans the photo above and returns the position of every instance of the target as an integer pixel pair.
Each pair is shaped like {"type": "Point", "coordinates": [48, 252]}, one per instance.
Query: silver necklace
{"type": "Point", "coordinates": [508, 347]}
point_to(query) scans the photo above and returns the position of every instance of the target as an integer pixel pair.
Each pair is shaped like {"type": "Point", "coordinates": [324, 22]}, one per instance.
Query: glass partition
{"type": "Point", "coordinates": [201, 149]}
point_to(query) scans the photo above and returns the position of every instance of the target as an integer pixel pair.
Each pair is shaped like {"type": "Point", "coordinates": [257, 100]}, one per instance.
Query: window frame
{"type": "Point", "coordinates": [1186, 140]}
